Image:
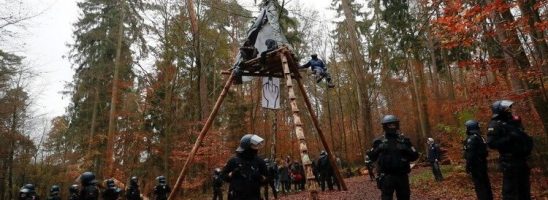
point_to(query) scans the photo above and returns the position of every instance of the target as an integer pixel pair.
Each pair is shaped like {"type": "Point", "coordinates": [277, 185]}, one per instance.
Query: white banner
{"type": "Point", "coordinates": [271, 93]}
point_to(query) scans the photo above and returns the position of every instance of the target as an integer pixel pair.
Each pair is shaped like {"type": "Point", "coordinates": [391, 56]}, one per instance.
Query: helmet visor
{"type": "Point", "coordinates": [256, 142]}
{"type": "Point", "coordinates": [506, 105]}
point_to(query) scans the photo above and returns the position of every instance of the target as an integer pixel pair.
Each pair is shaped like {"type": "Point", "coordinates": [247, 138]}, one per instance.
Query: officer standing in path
{"type": "Point", "coordinates": [133, 192]}
{"type": "Point", "coordinates": [112, 192]}
{"type": "Point", "coordinates": [217, 184]}
{"type": "Point", "coordinates": [73, 192]}
{"type": "Point", "coordinates": [89, 187]}
{"type": "Point", "coordinates": [272, 173]}
{"type": "Point", "coordinates": [394, 152]}
{"type": "Point", "coordinates": [245, 171]}
{"type": "Point", "coordinates": [326, 171]}
{"type": "Point", "coordinates": [475, 153]}
{"type": "Point", "coordinates": [161, 190]}
{"type": "Point", "coordinates": [506, 135]}
{"type": "Point", "coordinates": [434, 157]}
{"type": "Point", "coordinates": [54, 193]}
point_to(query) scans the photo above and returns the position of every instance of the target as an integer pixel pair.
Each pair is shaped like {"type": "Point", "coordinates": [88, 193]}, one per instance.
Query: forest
{"type": "Point", "coordinates": [147, 74]}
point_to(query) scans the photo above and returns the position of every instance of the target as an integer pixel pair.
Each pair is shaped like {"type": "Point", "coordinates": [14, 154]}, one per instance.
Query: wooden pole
{"type": "Point", "coordinates": [322, 137]}
{"type": "Point", "coordinates": [201, 137]}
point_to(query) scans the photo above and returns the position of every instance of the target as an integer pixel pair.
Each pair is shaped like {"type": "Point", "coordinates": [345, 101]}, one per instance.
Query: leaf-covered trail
{"type": "Point", "coordinates": [359, 188]}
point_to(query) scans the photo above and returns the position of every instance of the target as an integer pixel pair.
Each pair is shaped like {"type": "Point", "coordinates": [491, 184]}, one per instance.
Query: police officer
{"type": "Point", "coordinates": [319, 69]}
{"type": "Point", "coordinates": [54, 193]}
{"type": "Point", "coordinates": [73, 192]}
{"type": "Point", "coordinates": [506, 136]}
{"type": "Point", "coordinates": [326, 171]}
{"type": "Point", "coordinates": [475, 153]}
{"type": "Point", "coordinates": [217, 184]}
{"type": "Point", "coordinates": [89, 187]}
{"type": "Point", "coordinates": [161, 190]}
{"type": "Point", "coordinates": [245, 171]}
{"type": "Point", "coordinates": [133, 192]}
{"type": "Point", "coordinates": [27, 192]}
{"type": "Point", "coordinates": [434, 156]}
{"type": "Point", "coordinates": [272, 174]}
{"type": "Point", "coordinates": [394, 152]}
{"type": "Point", "coordinates": [112, 192]}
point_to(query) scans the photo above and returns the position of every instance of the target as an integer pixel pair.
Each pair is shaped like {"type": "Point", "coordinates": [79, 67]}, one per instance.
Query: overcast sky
{"type": "Point", "coordinates": [44, 44]}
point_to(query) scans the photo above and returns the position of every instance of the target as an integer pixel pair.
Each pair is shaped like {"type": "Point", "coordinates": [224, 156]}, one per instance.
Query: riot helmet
{"type": "Point", "coordinates": [390, 125]}
{"type": "Point", "coordinates": [73, 188]}
{"type": "Point", "coordinates": [88, 178]}
{"type": "Point", "coordinates": [54, 189]}
{"type": "Point", "coordinates": [472, 126]}
{"type": "Point", "coordinates": [110, 183]}
{"type": "Point", "coordinates": [250, 142]}
{"type": "Point", "coordinates": [134, 180]}
{"type": "Point", "coordinates": [161, 180]}
{"type": "Point", "coordinates": [430, 140]}
{"type": "Point", "coordinates": [29, 186]}
{"type": "Point", "coordinates": [502, 109]}
{"type": "Point", "coordinates": [323, 153]}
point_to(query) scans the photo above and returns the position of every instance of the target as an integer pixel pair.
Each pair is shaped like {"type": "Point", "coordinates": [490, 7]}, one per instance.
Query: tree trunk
{"type": "Point", "coordinates": [93, 122]}
{"type": "Point", "coordinates": [109, 170]}
{"type": "Point", "coordinates": [202, 72]}
{"type": "Point", "coordinates": [359, 70]}
{"type": "Point", "coordinates": [434, 75]}
{"type": "Point", "coordinates": [451, 84]}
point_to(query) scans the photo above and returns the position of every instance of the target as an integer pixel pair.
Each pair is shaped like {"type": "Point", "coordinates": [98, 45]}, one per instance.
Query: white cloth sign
{"type": "Point", "coordinates": [271, 93]}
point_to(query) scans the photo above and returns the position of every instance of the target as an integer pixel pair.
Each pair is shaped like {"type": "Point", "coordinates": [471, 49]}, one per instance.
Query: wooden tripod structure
{"type": "Point", "coordinates": [280, 64]}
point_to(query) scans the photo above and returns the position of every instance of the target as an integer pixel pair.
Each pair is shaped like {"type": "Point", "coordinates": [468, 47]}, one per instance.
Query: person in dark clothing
{"type": "Point", "coordinates": [54, 193]}
{"type": "Point", "coordinates": [89, 187]}
{"type": "Point", "coordinates": [73, 192]}
{"type": "Point", "coordinates": [370, 169]}
{"type": "Point", "coordinates": [508, 137]}
{"type": "Point", "coordinates": [316, 170]}
{"type": "Point", "coordinates": [326, 171]}
{"type": "Point", "coordinates": [475, 154]}
{"type": "Point", "coordinates": [272, 173]}
{"type": "Point", "coordinates": [162, 189]}
{"type": "Point", "coordinates": [217, 184]}
{"type": "Point", "coordinates": [296, 175]}
{"type": "Point", "coordinates": [133, 192]}
{"type": "Point", "coordinates": [434, 157]}
{"type": "Point", "coordinates": [319, 69]}
{"type": "Point", "coordinates": [111, 192]}
{"type": "Point", "coordinates": [28, 192]}
{"type": "Point", "coordinates": [285, 177]}
{"type": "Point", "coordinates": [393, 152]}
{"type": "Point", "coordinates": [245, 171]}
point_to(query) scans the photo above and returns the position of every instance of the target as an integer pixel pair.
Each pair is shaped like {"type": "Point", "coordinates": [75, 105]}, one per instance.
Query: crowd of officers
{"type": "Point", "coordinates": [392, 154]}
{"type": "Point", "coordinates": [88, 189]}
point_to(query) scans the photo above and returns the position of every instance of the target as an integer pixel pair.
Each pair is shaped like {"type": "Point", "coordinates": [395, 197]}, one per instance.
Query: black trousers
{"type": "Point", "coordinates": [436, 171]}
{"type": "Point", "coordinates": [217, 194]}
{"type": "Point", "coordinates": [482, 185]}
{"type": "Point", "coordinates": [515, 182]}
{"type": "Point", "coordinates": [391, 183]}
{"type": "Point", "coordinates": [326, 178]}
{"type": "Point", "coordinates": [273, 187]}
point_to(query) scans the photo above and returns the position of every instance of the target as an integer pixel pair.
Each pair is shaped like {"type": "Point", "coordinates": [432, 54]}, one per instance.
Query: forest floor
{"type": "Point", "coordinates": [456, 185]}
